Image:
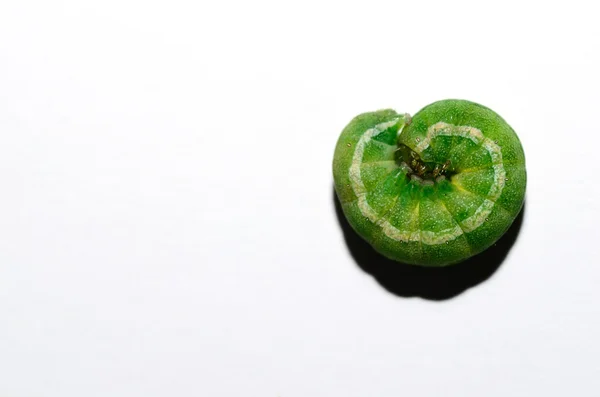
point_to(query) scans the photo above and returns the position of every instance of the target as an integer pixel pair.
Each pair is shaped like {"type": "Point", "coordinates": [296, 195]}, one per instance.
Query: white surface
{"type": "Point", "coordinates": [167, 224]}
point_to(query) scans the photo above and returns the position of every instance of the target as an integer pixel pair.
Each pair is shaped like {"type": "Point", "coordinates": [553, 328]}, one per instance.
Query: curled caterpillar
{"type": "Point", "coordinates": [434, 189]}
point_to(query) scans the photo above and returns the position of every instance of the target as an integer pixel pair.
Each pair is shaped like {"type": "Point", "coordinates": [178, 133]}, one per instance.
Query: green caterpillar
{"type": "Point", "coordinates": [433, 190]}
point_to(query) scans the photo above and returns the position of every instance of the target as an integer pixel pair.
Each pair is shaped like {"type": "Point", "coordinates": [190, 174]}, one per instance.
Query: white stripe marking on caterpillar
{"type": "Point", "coordinates": [428, 237]}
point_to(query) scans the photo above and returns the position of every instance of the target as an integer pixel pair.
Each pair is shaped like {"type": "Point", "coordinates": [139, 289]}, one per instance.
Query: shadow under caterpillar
{"type": "Point", "coordinates": [431, 283]}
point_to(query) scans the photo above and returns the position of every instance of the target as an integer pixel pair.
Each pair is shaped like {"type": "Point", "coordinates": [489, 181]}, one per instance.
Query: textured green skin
{"type": "Point", "coordinates": [415, 207]}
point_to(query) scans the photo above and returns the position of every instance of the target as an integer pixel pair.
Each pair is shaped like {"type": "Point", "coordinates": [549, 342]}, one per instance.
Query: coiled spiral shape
{"type": "Point", "coordinates": [432, 190]}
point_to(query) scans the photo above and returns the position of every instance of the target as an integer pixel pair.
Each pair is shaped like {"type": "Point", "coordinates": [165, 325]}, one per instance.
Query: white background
{"type": "Point", "coordinates": [167, 225]}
